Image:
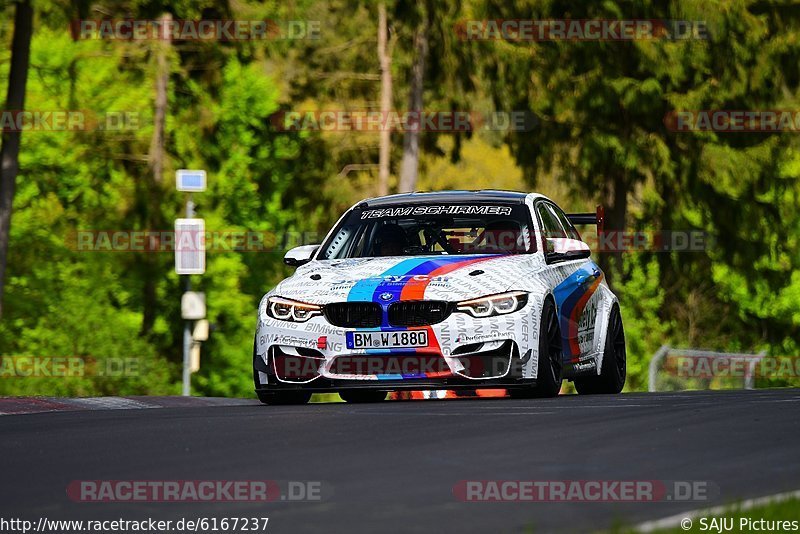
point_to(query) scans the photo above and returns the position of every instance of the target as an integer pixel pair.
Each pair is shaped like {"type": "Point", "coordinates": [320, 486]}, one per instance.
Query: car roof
{"type": "Point", "coordinates": [447, 197]}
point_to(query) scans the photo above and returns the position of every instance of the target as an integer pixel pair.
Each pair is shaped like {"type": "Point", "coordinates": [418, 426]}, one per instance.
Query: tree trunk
{"type": "Point", "coordinates": [410, 163]}
{"type": "Point", "coordinates": [616, 214]}
{"type": "Point", "coordinates": [162, 77]}
{"type": "Point", "coordinates": [153, 219]}
{"type": "Point", "coordinates": [9, 152]}
{"type": "Point", "coordinates": [386, 100]}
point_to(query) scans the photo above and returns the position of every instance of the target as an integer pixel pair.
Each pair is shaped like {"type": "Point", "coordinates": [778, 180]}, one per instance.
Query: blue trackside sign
{"type": "Point", "coordinates": [190, 180]}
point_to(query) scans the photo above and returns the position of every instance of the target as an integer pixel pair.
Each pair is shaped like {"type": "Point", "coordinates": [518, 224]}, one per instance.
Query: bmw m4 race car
{"type": "Point", "coordinates": [441, 291]}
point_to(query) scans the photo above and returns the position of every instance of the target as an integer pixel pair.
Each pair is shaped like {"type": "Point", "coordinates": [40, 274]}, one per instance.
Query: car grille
{"type": "Point", "coordinates": [419, 312]}
{"type": "Point", "coordinates": [353, 314]}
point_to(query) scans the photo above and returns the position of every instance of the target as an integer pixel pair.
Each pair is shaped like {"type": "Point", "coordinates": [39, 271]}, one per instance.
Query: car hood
{"type": "Point", "coordinates": [388, 280]}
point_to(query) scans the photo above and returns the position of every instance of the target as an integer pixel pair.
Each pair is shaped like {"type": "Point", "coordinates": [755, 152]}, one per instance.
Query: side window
{"type": "Point", "coordinates": [572, 233]}
{"type": "Point", "coordinates": [551, 226]}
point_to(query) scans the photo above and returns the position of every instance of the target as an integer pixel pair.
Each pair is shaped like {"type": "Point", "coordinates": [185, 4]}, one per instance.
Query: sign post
{"type": "Point", "coordinates": [190, 258]}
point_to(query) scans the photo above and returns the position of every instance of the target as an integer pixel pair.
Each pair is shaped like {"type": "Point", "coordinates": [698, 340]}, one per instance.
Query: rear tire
{"type": "Point", "coordinates": [358, 396]}
{"type": "Point", "coordinates": [614, 366]}
{"type": "Point", "coordinates": [549, 366]}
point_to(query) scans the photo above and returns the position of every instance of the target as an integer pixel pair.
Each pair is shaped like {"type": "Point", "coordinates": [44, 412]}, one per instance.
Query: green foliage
{"type": "Point", "coordinates": [90, 305]}
{"type": "Point", "coordinates": [602, 109]}
{"type": "Point", "coordinates": [641, 299]}
{"type": "Point", "coordinates": [81, 314]}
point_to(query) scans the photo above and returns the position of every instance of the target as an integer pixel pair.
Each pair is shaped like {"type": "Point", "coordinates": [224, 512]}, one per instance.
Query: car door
{"type": "Point", "coordinates": [576, 280]}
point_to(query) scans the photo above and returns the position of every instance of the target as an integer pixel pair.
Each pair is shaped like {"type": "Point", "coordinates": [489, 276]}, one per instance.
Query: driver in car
{"type": "Point", "coordinates": [390, 240]}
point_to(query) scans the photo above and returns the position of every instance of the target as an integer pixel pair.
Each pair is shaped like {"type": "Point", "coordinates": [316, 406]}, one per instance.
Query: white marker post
{"type": "Point", "coordinates": [190, 258]}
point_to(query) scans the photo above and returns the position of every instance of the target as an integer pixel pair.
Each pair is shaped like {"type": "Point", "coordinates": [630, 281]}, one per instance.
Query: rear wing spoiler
{"type": "Point", "coordinates": [597, 218]}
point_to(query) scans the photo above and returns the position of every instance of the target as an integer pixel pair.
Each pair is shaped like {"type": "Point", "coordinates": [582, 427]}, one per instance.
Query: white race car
{"type": "Point", "coordinates": [441, 291]}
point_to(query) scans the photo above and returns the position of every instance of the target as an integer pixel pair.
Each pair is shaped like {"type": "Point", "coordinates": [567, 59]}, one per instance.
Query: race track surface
{"type": "Point", "coordinates": [391, 467]}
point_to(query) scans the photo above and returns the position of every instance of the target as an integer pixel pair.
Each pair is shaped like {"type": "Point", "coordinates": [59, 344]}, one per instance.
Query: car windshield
{"type": "Point", "coordinates": [406, 230]}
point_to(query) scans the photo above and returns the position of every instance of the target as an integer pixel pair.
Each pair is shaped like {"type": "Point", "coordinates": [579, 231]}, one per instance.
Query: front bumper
{"type": "Point", "coordinates": [267, 381]}
{"type": "Point", "coordinates": [463, 352]}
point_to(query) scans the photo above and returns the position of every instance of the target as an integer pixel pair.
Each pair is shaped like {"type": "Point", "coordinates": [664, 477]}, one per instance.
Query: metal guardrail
{"type": "Point", "coordinates": [665, 350]}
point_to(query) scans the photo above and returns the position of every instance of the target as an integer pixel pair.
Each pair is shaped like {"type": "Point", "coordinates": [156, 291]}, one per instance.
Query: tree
{"type": "Point", "coordinates": [602, 109]}
{"type": "Point", "coordinates": [409, 166]}
{"type": "Point", "coordinates": [385, 58]}
{"type": "Point", "coordinates": [154, 182]}
{"type": "Point", "coordinates": [9, 152]}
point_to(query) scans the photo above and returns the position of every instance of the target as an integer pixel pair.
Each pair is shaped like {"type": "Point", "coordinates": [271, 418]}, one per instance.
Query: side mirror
{"type": "Point", "coordinates": [564, 249]}
{"type": "Point", "coordinates": [300, 255]}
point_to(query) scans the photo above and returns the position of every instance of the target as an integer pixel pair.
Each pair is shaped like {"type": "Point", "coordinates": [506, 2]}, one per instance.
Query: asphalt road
{"type": "Point", "coordinates": [391, 467]}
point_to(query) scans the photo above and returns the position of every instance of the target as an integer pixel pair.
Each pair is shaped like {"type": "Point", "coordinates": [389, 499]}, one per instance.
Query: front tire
{"type": "Point", "coordinates": [550, 364]}
{"type": "Point", "coordinates": [614, 367]}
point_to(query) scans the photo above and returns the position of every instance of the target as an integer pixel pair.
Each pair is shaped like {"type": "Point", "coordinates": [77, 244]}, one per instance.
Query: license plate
{"type": "Point", "coordinates": [387, 340]}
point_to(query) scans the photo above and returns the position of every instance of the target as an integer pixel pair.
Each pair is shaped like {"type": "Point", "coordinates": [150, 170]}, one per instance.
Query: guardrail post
{"type": "Point", "coordinates": [749, 379]}
{"type": "Point", "coordinates": [653, 370]}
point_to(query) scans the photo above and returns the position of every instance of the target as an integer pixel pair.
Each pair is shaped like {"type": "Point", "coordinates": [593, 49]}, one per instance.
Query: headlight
{"type": "Point", "coordinates": [291, 310]}
{"type": "Point", "coordinates": [494, 304]}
